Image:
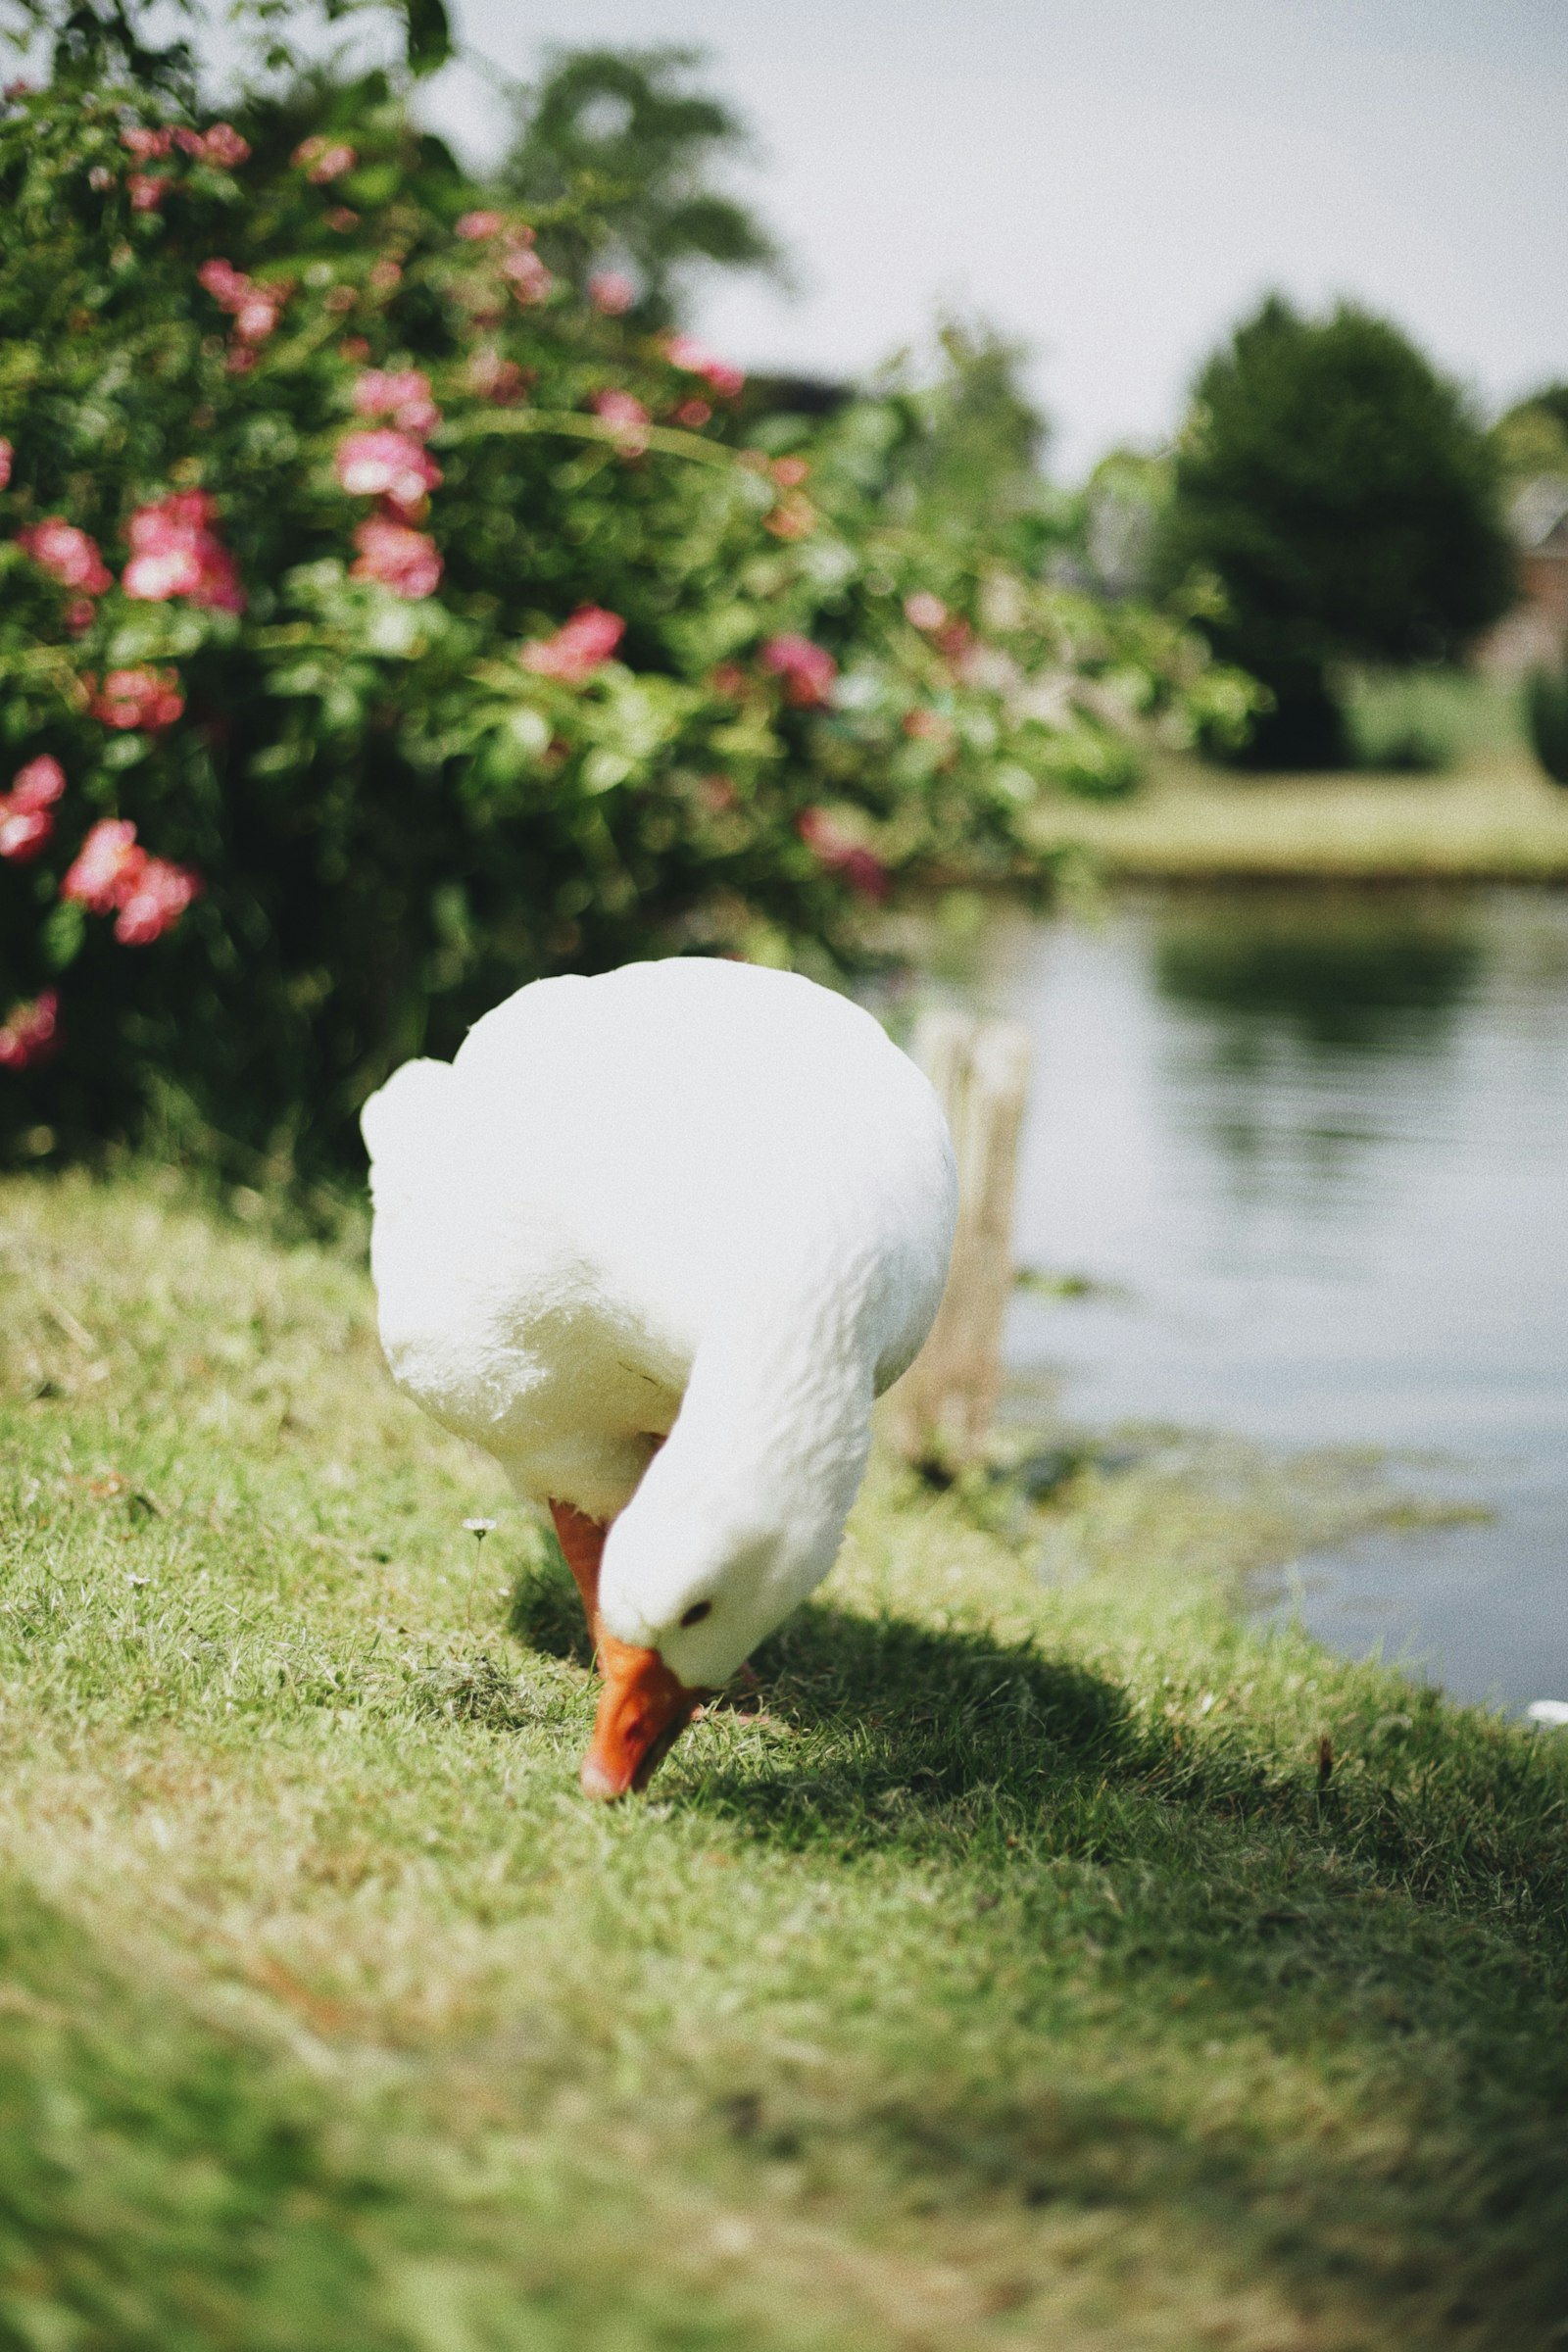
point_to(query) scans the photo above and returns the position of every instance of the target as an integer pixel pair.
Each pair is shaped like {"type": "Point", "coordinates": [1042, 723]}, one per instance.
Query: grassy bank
{"type": "Point", "coordinates": [1192, 822]}
{"type": "Point", "coordinates": [1489, 816]}
{"type": "Point", "coordinates": [1035, 1956]}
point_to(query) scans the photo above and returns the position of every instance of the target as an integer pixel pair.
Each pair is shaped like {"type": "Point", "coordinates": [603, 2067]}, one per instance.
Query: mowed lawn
{"type": "Point", "coordinates": [1034, 1955]}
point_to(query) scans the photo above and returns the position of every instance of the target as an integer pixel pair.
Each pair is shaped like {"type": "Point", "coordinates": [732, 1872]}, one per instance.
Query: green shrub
{"type": "Point", "coordinates": [1547, 714]}
{"type": "Point", "coordinates": [514, 663]}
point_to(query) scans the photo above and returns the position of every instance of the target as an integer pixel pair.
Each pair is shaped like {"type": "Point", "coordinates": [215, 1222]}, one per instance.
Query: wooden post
{"type": "Point", "coordinates": [941, 1410]}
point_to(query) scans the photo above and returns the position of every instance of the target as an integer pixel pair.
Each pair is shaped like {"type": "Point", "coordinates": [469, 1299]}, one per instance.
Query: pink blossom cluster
{"type": "Point", "coordinates": [924, 610]}
{"type": "Point", "coordinates": [26, 820]}
{"type": "Point", "coordinates": [114, 875]}
{"type": "Point", "coordinates": [389, 464]}
{"type": "Point", "coordinates": [324, 159]}
{"type": "Point", "coordinates": [176, 552]}
{"type": "Point", "coordinates": [7, 461]}
{"type": "Point", "coordinates": [627, 419]}
{"type": "Point", "coordinates": [407, 562]}
{"type": "Point", "coordinates": [254, 308]}
{"type": "Point", "coordinates": [149, 699]}
{"type": "Point", "coordinates": [474, 227]}
{"type": "Point", "coordinates": [67, 553]}
{"type": "Point", "coordinates": [579, 647]}
{"type": "Point", "coordinates": [841, 854]}
{"type": "Point", "coordinates": [401, 392]}
{"type": "Point", "coordinates": [807, 669]}
{"type": "Point", "coordinates": [695, 358]}
{"type": "Point", "coordinates": [31, 1032]}
{"type": "Point", "coordinates": [221, 144]}
{"type": "Point", "coordinates": [612, 292]}
{"type": "Point", "coordinates": [147, 189]}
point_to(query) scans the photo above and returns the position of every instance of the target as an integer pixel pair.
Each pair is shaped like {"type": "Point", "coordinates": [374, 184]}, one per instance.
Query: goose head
{"type": "Point", "coordinates": [687, 1591]}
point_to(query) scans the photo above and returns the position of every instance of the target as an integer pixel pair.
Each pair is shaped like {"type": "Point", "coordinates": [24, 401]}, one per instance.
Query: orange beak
{"type": "Point", "coordinates": [642, 1713]}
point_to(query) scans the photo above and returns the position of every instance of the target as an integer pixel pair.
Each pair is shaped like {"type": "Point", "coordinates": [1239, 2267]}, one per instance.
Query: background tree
{"type": "Point", "coordinates": [619, 146]}
{"type": "Point", "coordinates": [1348, 506]}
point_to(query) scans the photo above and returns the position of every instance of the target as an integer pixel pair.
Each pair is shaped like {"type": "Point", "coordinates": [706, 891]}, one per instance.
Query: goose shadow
{"type": "Point", "coordinates": [1218, 1914]}
{"type": "Point", "coordinates": [876, 1724]}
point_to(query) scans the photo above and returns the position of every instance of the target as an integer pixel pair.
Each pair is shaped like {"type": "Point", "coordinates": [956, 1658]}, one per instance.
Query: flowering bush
{"type": "Point", "coordinates": [384, 621]}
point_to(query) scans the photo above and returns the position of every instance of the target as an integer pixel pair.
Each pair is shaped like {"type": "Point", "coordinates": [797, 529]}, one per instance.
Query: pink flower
{"type": "Point", "coordinates": [579, 647]}
{"type": "Point", "coordinates": [146, 145]}
{"type": "Point", "coordinates": [402, 394]}
{"type": "Point", "coordinates": [685, 352]}
{"type": "Point", "coordinates": [475, 225]}
{"type": "Point", "coordinates": [340, 218]}
{"type": "Point", "coordinates": [151, 900]}
{"type": "Point", "coordinates": [324, 159]}
{"type": "Point", "coordinates": [807, 669]}
{"type": "Point", "coordinates": [791, 472]}
{"type": "Point", "coordinates": [388, 464]}
{"type": "Point", "coordinates": [7, 458]}
{"type": "Point", "coordinates": [627, 419]}
{"type": "Point", "coordinates": [530, 279]}
{"type": "Point", "coordinates": [924, 610]}
{"type": "Point", "coordinates": [176, 552]}
{"type": "Point", "coordinates": [220, 145]}
{"type": "Point", "coordinates": [407, 562]}
{"type": "Point", "coordinates": [612, 292]}
{"type": "Point", "coordinates": [37, 786]}
{"type": "Point", "coordinates": [255, 309]}
{"type": "Point", "coordinates": [841, 854]}
{"type": "Point", "coordinates": [111, 875]}
{"type": "Point", "coordinates": [258, 315]}
{"type": "Point", "coordinates": [30, 1034]}
{"type": "Point", "coordinates": [228, 286]}
{"type": "Point", "coordinates": [137, 698]}
{"type": "Point", "coordinates": [385, 274]}
{"type": "Point", "coordinates": [494, 378]}
{"type": "Point", "coordinates": [147, 189]}
{"type": "Point", "coordinates": [68, 554]}
{"type": "Point", "coordinates": [694, 414]}
{"type": "Point", "coordinates": [105, 863]}
{"type": "Point", "coordinates": [24, 832]}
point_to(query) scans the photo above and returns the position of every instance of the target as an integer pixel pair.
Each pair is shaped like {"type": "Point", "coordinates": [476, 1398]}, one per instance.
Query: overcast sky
{"type": "Point", "coordinates": [1117, 182]}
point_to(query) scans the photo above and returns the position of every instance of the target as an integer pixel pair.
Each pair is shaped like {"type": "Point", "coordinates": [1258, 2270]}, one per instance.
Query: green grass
{"type": "Point", "coordinates": [1035, 1956]}
{"type": "Point", "coordinates": [1489, 814]}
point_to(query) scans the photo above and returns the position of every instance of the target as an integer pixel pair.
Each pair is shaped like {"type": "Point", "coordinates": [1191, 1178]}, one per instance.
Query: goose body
{"type": "Point", "coordinates": [694, 1201]}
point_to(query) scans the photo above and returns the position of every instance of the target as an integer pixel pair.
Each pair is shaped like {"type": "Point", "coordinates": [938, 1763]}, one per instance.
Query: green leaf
{"type": "Point", "coordinates": [429, 35]}
{"type": "Point", "coordinates": [62, 933]}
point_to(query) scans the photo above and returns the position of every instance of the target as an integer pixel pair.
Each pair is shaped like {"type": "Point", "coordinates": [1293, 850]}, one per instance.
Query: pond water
{"type": "Point", "coordinates": [1310, 1151]}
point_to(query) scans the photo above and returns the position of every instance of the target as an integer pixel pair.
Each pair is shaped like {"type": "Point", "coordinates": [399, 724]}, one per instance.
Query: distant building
{"type": "Point", "coordinates": [1535, 634]}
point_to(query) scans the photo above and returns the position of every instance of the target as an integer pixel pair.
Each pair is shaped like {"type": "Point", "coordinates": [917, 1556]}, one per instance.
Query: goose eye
{"type": "Point", "coordinates": [697, 1612]}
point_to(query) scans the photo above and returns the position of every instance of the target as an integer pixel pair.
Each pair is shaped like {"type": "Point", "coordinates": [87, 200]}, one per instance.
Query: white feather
{"type": "Point", "coordinates": [692, 1199]}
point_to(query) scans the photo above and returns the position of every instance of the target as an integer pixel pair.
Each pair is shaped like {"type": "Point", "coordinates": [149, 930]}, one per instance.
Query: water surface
{"type": "Point", "coordinates": [1312, 1147]}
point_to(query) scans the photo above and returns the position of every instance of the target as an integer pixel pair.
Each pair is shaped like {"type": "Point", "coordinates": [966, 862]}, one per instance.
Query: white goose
{"type": "Point", "coordinates": [689, 1200]}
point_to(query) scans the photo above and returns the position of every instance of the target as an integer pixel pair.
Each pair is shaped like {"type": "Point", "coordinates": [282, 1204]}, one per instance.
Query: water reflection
{"type": "Point", "coordinates": [1319, 1142]}
{"type": "Point", "coordinates": [1335, 970]}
